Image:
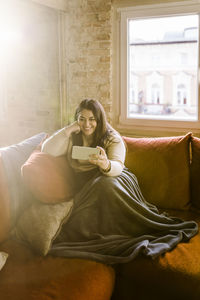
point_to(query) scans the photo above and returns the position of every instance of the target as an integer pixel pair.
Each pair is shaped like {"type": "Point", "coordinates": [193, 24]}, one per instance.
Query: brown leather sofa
{"type": "Point", "coordinates": [168, 171]}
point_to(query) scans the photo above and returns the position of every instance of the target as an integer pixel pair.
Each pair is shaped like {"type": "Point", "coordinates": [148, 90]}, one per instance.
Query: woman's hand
{"type": "Point", "coordinates": [72, 128]}
{"type": "Point", "coordinates": [100, 160]}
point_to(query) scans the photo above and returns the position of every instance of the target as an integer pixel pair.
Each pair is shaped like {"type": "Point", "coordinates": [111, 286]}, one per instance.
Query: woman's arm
{"type": "Point", "coordinates": [116, 153]}
{"type": "Point", "coordinates": [111, 158]}
{"type": "Point", "coordinates": [57, 144]}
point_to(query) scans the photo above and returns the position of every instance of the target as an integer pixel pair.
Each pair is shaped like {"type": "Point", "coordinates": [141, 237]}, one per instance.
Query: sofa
{"type": "Point", "coordinates": [33, 184]}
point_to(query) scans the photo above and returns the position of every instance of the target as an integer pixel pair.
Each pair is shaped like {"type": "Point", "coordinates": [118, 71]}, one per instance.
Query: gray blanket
{"type": "Point", "coordinates": [112, 223]}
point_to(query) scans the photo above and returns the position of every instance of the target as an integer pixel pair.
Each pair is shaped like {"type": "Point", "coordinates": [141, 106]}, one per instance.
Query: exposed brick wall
{"type": "Point", "coordinates": [88, 53]}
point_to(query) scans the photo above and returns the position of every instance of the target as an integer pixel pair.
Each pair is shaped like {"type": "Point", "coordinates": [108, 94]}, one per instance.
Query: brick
{"type": "Point", "coordinates": [105, 59]}
{"type": "Point", "coordinates": [103, 37]}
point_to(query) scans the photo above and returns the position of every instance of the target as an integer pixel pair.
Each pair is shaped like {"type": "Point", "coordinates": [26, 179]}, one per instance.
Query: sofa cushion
{"type": "Point", "coordinates": [162, 168]}
{"type": "Point", "coordinates": [29, 276]}
{"type": "Point", "coordinates": [13, 157]}
{"type": "Point", "coordinates": [195, 172]}
{"type": "Point", "coordinates": [173, 275]}
{"type": "Point", "coordinates": [40, 223]}
{"type": "Point", "coordinates": [4, 204]}
{"type": "Point", "coordinates": [49, 178]}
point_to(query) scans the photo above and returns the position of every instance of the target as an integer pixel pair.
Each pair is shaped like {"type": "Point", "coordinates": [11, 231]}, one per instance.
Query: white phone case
{"type": "Point", "coordinates": [81, 152]}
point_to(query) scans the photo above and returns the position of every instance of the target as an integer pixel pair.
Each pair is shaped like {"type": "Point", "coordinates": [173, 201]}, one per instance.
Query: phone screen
{"type": "Point", "coordinates": [83, 153]}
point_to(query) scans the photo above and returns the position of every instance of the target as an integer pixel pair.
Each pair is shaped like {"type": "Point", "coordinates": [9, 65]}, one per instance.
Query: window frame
{"type": "Point", "coordinates": [145, 11]}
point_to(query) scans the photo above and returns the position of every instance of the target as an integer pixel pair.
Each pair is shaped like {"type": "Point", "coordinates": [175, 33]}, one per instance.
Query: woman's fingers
{"type": "Point", "coordinates": [100, 159]}
{"type": "Point", "coordinates": [102, 151]}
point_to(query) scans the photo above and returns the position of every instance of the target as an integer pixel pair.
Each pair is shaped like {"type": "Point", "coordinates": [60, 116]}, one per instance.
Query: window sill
{"type": "Point", "coordinates": [132, 128]}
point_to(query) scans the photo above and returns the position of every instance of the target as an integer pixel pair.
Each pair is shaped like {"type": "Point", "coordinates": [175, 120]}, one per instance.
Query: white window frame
{"type": "Point", "coordinates": [144, 11]}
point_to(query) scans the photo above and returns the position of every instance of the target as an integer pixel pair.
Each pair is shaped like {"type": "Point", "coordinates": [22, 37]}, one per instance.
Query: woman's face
{"type": "Point", "coordinates": [87, 122]}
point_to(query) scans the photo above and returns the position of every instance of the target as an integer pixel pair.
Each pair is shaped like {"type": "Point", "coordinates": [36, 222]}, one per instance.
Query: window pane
{"type": "Point", "coordinates": [162, 68]}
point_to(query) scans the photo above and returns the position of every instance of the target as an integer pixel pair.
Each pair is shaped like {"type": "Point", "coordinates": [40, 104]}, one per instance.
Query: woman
{"type": "Point", "coordinates": [111, 222]}
{"type": "Point", "coordinates": [92, 130]}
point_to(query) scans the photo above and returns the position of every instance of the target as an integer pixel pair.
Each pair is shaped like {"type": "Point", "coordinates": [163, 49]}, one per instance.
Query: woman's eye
{"type": "Point", "coordinates": [90, 120]}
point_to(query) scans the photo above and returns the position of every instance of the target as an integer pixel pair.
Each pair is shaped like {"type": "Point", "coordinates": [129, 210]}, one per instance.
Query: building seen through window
{"type": "Point", "coordinates": [162, 67]}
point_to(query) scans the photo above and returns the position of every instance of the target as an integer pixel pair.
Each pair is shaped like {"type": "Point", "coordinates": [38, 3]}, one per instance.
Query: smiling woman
{"type": "Point", "coordinates": [110, 221]}
{"type": "Point", "coordinates": [90, 129]}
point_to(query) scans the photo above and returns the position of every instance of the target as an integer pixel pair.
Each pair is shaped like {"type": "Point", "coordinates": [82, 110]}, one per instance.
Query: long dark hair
{"type": "Point", "coordinates": [103, 128]}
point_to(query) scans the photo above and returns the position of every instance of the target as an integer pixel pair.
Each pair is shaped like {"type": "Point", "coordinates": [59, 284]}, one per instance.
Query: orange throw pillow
{"type": "Point", "coordinates": [49, 178]}
{"type": "Point", "coordinates": [195, 172]}
{"type": "Point", "coordinates": [4, 204]}
{"type": "Point", "coordinates": [162, 168]}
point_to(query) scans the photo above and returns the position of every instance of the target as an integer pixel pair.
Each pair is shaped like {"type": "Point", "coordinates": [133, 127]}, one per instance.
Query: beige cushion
{"type": "Point", "coordinates": [40, 223]}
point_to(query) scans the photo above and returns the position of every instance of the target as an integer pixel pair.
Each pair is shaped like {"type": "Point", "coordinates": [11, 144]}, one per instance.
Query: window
{"type": "Point", "coordinates": [181, 95]}
{"type": "Point", "coordinates": [183, 58]}
{"type": "Point", "coordinates": [158, 65]}
{"type": "Point", "coordinates": [155, 95]}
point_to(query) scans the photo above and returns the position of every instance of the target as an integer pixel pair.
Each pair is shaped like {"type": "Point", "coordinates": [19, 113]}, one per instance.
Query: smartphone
{"type": "Point", "coordinates": [83, 153]}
